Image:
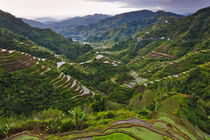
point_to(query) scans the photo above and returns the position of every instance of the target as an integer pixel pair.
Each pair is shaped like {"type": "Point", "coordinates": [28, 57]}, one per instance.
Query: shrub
{"type": "Point", "coordinates": [79, 118]}
{"type": "Point", "coordinates": [67, 124]}
{"type": "Point", "coordinates": [91, 123]}
{"type": "Point", "coordinates": [109, 115]}
{"type": "Point", "coordinates": [104, 121]}
{"type": "Point", "coordinates": [53, 125]}
{"type": "Point", "coordinates": [32, 125]}
{"type": "Point", "coordinates": [98, 103]}
{"type": "Point", "coordinates": [50, 113]}
{"type": "Point", "coordinates": [105, 115]}
{"type": "Point", "coordinates": [4, 130]}
{"type": "Point", "coordinates": [145, 112]}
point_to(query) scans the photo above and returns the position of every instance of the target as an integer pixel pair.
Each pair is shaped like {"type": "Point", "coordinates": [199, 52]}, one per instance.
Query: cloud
{"type": "Point", "coordinates": [178, 6]}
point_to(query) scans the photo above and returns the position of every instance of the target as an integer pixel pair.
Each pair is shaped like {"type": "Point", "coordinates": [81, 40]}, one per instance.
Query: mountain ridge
{"type": "Point", "coordinates": [152, 83]}
{"type": "Point", "coordinates": [69, 23]}
{"type": "Point", "coordinates": [98, 31]}
{"type": "Point", "coordinates": [43, 37]}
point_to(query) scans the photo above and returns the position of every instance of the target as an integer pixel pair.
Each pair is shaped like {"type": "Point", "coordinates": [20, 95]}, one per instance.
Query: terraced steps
{"type": "Point", "coordinates": [14, 61]}
{"type": "Point", "coordinates": [135, 128]}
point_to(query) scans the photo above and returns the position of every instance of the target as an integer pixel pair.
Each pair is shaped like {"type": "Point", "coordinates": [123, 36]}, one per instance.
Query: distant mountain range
{"type": "Point", "coordinates": [75, 22]}
{"type": "Point", "coordinates": [98, 27]}
{"type": "Point", "coordinates": [120, 26]}
{"type": "Point", "coordinates": [46, 20]}
{"type": "Point", "coordinates": [33, 23]}
{"type": "Point", "coordinates": [65, 25]}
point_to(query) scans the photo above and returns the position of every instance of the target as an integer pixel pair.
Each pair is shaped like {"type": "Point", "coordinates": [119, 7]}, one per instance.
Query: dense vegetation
{"type": "Point", "coordinates": [33, 89]}
{"type": "Point", "coordinates": [152, 85]}
{"type": "Point", "coordinates": [120, 26]}
{"type": "Point", "coordinates": [97, 76]}
{"type": "Point", "coordinates": [43, 37]}
{"type": "Point", "coordinates": [11, 41]}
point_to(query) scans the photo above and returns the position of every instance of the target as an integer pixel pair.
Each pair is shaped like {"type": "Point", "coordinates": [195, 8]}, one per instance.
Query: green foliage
{"type": "Point", "coordinates": [116, 93]}
{"type": "Point", "coordinates": [27, 91]}
{"type": "Point", "coordinates": [189, 61]}
{"type": "Point", "coordinates": [105, 115]}
{"type": "Point", "coordinates": [25, 137]}
{"type": "Point", "coordinates": [196, 86]}
{"type": "Point", "coordinates": [145, 112]}
{"type": "Point", "coordinates": [98, 103]}
{"type": "Point", "coordinates": [50, 113]}
{"type": "Point", "coordinates": [79, 118]}
{"type": "Point", "coordinates": [11, 41]}
{"type": "Point", "coordinates": [26, 94]}
{"type": "Point", "coordinates": [67, 125]}
{"type": "Point", "coordinates": [115, 136]}
{"type": "Point", "coordinates": [54, 125]}
{"type": "Point", "coordinates": [140, 133]}
{"type": "Point", "coordinates": [122, 77]}
{"type": "Point", "coordinates": [97, 77]}
{"type": "Point", "coordinates": [87, 56]}
{"type": "Point", "coordinates": [120, 26]}
{"type": "Point", "coordinates": [43, 37]}
{"type": "Point", "coordinates": [4, 130]}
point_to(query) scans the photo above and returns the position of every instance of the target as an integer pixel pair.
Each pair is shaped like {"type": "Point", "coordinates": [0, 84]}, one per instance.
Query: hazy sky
{"type": "Point", "coordinates": [70, 8]}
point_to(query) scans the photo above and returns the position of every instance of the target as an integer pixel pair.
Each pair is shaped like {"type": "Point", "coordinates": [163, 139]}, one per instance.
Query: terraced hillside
{"type": "Point", "coordinates": [32, 78]}
{"type": "Point", "coordinates": [152, 85]}
{"type": "Point", "coordinates": [129, 129]}
{"type": "Point", "coordinates": [120, 26]}
{"type": "Point", "coordinates": [43, 37]}
{"type": "Point", "coordinates": [96, 74]}
{"type": "Point", "coordinates": [12, 41]}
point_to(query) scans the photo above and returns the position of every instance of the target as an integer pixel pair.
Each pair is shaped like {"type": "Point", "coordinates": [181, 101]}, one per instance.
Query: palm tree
{"type": "Point", "coordinates": [79, 118]}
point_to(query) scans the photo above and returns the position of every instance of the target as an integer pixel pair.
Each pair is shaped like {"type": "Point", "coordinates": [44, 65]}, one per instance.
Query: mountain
{"type": "Point", "coordinates": [38, 80]}
{"type": "Point", "coordinates": [71, 23]}
{"type": "Point", "coordinates": [32, 70]}
{"type": "Point", "coordinates": [195, 26]}
{"type": "Point", "coordinates": [43, 37]}
{"type": "Point", "coordinates": [46, 20]}
{"type": "Point", "coordinates": [153, 84]}
{"type": "Point", "coordinates": [161, 56]}
{"type": "Point", "coordinates": [12, 41]}
{"type": "Point", "coordinates": [33, 23]}
{"type": "Point", "coordinates": [119, 26]}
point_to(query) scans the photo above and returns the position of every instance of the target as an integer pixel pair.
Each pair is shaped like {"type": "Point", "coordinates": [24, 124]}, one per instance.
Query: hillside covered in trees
{"type": "Point", "coordinates": [150, 82]}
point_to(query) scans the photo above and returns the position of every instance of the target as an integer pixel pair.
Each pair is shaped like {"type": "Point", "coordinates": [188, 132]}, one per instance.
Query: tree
{"type": "Point", "coordinates": [79, 118]}
{"type": "Point", "coordinates": [99, 103]}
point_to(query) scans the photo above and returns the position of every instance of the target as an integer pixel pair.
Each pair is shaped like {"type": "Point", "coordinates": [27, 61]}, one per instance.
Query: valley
{"type": "Point", "coordinates": [140, 75]}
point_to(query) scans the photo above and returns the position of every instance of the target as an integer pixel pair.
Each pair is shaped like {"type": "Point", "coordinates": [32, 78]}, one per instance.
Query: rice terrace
{"type": "Point", "coordinates": [104, 70]}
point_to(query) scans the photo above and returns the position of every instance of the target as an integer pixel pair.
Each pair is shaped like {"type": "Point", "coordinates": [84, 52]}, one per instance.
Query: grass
{"type": "Point", "coordinates": [144, 133]}
{"type": "Point", "coordinates": [182, 130]}
{"type": "Point", "coordinates": [115, 136]}
{"type": "Point", "coordinates": [171, 107]}
{"type": "Point", "coordinates": [166, 119]}
{"type": "Point", "coordinates": [139, 80]}
{"type": "Point", "coordinates": [141, 133]}
{"type": "Point", "coordinates": [165, 128]}
{"type": "Point", "coordinates": [25, 137]}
